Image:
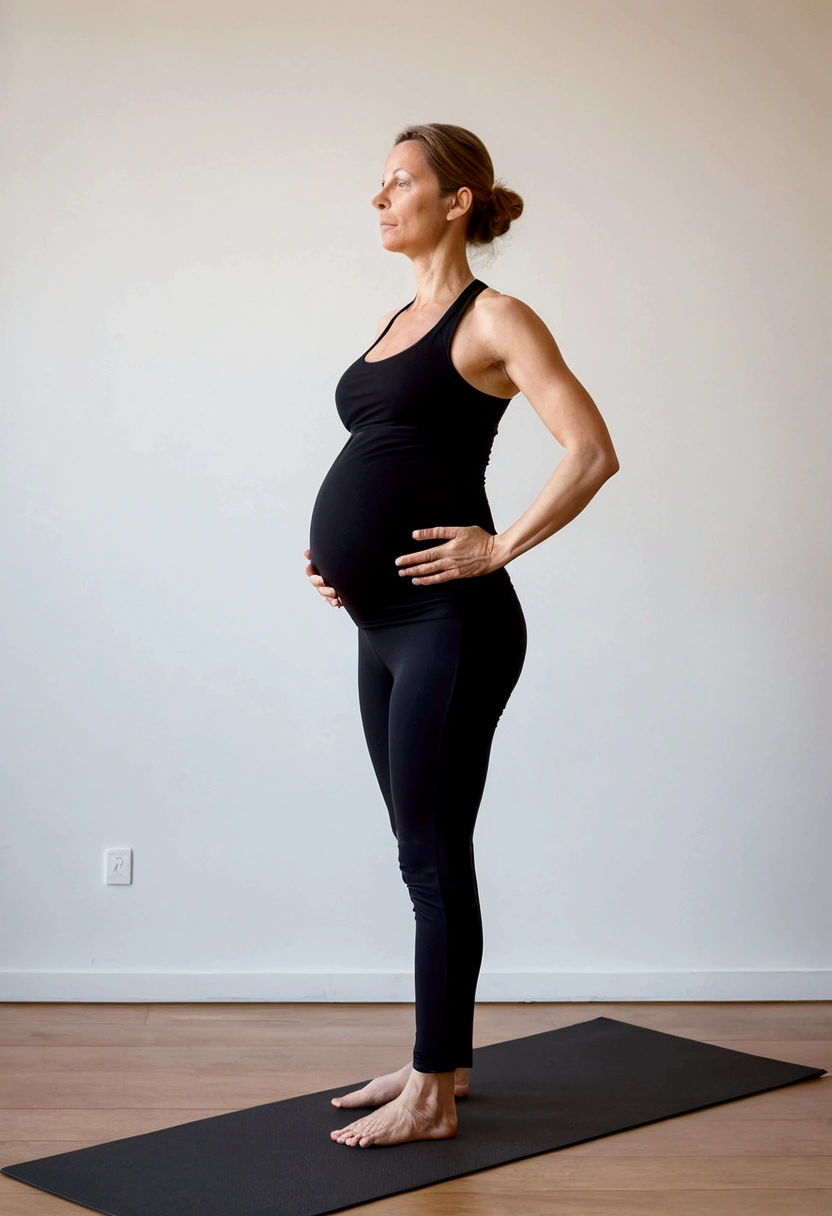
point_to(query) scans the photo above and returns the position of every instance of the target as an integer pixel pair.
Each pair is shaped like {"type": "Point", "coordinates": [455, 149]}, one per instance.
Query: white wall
{"type": "Point", "coordinates": [190, 262]}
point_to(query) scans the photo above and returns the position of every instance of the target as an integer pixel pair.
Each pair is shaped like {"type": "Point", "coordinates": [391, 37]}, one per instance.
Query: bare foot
{"type": "Point", "coordinates": [424, 1110]}
{"type": "Point", "coordinates": [386, 1088]}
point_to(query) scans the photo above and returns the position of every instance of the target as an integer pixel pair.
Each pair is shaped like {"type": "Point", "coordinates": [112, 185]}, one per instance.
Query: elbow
{"type": "Point", "coordinates": [605, 463]}
{"type": "Point", "coordinates": [598, 461]}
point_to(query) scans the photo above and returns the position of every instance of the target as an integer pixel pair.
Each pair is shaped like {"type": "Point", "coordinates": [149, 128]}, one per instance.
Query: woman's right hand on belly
{"type": "Point", "coordinates": [329, 593]}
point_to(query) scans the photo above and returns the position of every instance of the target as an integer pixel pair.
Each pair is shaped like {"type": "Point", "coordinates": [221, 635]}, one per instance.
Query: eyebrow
{"type": "Point", "coordinates": [399, 170]}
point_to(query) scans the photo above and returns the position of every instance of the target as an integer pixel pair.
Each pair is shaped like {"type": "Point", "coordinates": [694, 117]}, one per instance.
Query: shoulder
{"type": "Point", "coordinates": [504, 321]}
{"type": "Point", "coordinates": [497, 307]}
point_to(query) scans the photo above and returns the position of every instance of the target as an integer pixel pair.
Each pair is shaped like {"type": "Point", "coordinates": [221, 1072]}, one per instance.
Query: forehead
{"type": "Point", "coordinates": [407, 155]}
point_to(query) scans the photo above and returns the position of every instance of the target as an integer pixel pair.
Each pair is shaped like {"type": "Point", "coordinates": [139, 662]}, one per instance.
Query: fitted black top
{"type": "Point", "coordinates": [420, 440]}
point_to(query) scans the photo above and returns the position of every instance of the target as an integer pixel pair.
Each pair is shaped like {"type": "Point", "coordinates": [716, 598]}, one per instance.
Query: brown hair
{"type": "Point", "coordinates": [459, 158]}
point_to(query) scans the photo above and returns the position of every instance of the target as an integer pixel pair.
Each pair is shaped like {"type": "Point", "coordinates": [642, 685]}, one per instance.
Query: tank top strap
{"type": "Point", "coordinates": [448, 324]}
{"type": "Point", "coordinates": [390, 322]}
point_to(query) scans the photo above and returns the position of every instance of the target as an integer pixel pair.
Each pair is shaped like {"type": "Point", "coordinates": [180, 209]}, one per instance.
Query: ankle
{"type": "Point", "coordinates": [431, 1086]}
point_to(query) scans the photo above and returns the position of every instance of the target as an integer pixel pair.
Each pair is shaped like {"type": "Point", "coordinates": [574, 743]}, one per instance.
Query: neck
{"type": "Point", "coordinates": [441, 276]}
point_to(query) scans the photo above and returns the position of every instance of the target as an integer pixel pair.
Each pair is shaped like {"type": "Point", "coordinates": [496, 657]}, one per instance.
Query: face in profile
{"type": "Point", "coordinates": [412, 215]}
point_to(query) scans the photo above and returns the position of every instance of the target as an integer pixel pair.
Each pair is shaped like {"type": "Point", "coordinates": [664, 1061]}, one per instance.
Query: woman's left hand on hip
{"type": "Point", "coordinates": [465, 553]}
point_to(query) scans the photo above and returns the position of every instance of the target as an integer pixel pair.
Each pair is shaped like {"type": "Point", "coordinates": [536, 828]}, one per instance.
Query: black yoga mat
{"type": "Point", "coordinates": [529, 1095]}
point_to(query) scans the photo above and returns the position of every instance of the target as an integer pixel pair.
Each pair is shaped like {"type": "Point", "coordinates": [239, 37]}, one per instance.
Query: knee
{"type": "Point", "coordinates": [425, 880]}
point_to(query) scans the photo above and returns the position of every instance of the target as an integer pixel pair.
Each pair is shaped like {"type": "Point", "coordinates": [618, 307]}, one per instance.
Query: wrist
{"type": "Point", "coordinates": [500, 552]}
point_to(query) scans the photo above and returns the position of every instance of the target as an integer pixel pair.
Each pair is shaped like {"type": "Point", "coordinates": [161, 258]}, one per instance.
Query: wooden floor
{"type": "Point", "coordinates": [73, 1075]}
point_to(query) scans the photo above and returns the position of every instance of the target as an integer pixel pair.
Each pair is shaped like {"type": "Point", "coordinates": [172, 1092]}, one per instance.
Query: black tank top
{"type": "Point", "coordinates": [420, 440]}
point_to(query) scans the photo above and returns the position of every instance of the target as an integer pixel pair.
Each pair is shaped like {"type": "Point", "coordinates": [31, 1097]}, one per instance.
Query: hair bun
{"type": "Point", "coordinates": [504, 206]}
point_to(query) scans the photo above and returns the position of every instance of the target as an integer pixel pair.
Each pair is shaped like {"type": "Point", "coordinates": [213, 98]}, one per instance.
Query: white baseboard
{"type": "Point", "coordinates": [384, 986]}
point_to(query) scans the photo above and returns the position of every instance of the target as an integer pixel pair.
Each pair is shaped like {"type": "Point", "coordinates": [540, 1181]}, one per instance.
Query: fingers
{"type": "Point", "coordinates": [328, 593]}
{"type": "Point", "coordinates": [425, 568]}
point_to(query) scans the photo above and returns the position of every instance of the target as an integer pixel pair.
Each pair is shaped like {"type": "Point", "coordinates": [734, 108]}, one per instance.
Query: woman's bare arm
{"type": "Point", "coordinates": [522, 345]}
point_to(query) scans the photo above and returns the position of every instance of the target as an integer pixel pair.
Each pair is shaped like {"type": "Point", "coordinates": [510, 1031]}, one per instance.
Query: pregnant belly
{"type": "Point", "coordinates": [370, 502]}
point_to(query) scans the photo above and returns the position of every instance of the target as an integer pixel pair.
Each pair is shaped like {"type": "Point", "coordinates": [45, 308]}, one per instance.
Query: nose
{"type": "Point", "coordinates": [381, 199]}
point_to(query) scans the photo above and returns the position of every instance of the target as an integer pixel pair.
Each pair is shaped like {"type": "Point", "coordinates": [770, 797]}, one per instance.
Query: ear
{"type": "Point", "coordinates": [463, 201]}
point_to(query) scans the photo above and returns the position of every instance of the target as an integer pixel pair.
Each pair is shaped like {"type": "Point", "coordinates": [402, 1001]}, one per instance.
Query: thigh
{"type": "Point", "coordinates": [451, 681]}
{"type": "Point", "coordinates": [424, 659]}
{"type": "Point", "coordinates": [492, 650]}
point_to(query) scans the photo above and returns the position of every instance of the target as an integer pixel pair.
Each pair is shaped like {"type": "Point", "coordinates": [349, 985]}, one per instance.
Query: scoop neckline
{"type": "Point", "coordinates": [370, 362]}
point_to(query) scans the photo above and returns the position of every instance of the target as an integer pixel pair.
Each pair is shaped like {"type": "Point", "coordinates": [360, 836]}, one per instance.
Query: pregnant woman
{"type": "Point", "coordinates": [402, 536]}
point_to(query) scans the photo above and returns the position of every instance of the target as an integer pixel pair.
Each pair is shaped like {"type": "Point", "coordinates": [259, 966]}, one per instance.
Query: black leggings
{"type": "Point", "coordinates": [431, 693]}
